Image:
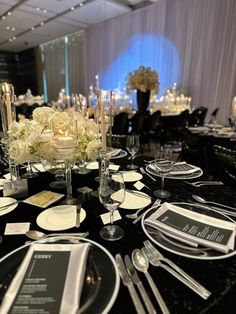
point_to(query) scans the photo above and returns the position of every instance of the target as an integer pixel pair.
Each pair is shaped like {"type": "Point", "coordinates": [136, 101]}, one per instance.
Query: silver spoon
{"type": "Point", "coordinates": [38, 235]}
{"type": "Point", "coordinates": [141, 263]}
{"type": "Point", "coordinates": [203, 201]}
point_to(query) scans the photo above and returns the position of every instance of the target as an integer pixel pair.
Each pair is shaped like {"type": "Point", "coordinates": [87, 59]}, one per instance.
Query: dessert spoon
{"type": "Point", "coordinates": [38, 235]}
{"type": "Point", "coordinates": [141, 263]}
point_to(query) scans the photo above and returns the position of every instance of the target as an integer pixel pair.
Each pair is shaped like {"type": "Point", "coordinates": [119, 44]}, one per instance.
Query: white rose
{"type": "Point", "coordinates": [92, 149]}
{"type": "Point", "coordinates": [43, 114]}
{"type": "Point", "coordinates": [19, 151]}
{"type": "Point", "coordinates": [60, 122]}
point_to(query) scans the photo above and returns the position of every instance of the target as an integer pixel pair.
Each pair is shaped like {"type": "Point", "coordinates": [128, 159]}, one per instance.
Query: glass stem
{"type": "Point", "coordinates": [68, 179]}
{"type": "Point", "coordinates": [132, 160]}
{"type": "Point", "coordinates": [111, 217]}
{"type": "Point", "coordinates": [162, 182]}
{"type": "Point", "coordinates": [29, 167]}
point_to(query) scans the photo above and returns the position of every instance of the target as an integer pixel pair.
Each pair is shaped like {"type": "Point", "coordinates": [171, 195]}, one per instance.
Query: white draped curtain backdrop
{"type": "Point", "coordinates": [191, 42]}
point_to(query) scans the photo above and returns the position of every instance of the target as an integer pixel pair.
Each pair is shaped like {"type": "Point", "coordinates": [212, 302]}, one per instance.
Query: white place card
{"type": "Point", "coordinates": [114, 167]}
{"type": "Point", "coordinates": [139, 185]}
{"type": "Point", "coordinates": [106, 217]}
{"type": "Point", "coordinates": [17, 228]}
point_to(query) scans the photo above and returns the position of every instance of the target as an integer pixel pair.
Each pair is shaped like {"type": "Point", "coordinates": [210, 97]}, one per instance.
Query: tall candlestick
{"type": "Point", "coordinates": [103, 128]}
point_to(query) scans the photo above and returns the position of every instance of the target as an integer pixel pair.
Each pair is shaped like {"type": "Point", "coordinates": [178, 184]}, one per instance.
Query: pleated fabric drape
{"type": "Point", "coordinates": [191, 42]}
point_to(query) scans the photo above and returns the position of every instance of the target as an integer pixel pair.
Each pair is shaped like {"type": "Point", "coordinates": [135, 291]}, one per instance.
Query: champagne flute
{"type": "Point", "coordinates": [163, 165]}
{"type": "Point", "coordinates": [132, 146]}
{"type": "Point", "coordinates": [111, 195]}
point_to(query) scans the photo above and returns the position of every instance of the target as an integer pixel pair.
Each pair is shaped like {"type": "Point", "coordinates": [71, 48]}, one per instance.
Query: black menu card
{"type": "Point", "coordinates": [191, 226]}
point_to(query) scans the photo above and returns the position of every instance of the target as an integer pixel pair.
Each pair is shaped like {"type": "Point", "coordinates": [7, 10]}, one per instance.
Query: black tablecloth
{"type": "Point", "coordinates": [219, 276]}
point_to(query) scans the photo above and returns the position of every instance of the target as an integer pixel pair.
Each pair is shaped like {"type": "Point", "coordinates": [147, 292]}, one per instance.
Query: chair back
{"type": "Point", "coordinates": [137, 122]}
{"type": "Point", "coordinates": [121, 123]}
{"type": "Point", "coordinates": [197, 117]}
{"type": "Point", "coordinates": [226, 159]}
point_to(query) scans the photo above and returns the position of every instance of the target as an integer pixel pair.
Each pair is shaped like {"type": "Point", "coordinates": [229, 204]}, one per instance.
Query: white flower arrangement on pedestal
{"type": "Point", "coordinates": [35, 139]}
{"type": "Point", "coordinates": [143, 79]}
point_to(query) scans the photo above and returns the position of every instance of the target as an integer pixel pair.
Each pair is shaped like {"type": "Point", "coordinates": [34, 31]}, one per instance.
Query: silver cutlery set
{"type": "Point", "coordinates": [140, 261]}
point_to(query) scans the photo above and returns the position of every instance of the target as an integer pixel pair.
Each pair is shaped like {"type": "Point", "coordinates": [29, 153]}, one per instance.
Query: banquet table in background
{"type": "Point", "coordinates": [219, 276]}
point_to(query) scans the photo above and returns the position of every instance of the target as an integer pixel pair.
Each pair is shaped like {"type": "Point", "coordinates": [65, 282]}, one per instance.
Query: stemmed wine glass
{"type": "Point", "coordinates": [163, 165]}
{"type": "Point", "coordinates": [132, 146]}
{"type": "Point", "coordinates": [111, 195]}
{"type": "Point", "coordinates": [56, 167]}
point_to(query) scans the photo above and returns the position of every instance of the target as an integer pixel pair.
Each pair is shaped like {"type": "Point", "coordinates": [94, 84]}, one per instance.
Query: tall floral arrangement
{"type": "Point", "coordinates": [34, 139]}
{"type": "Point", "coordinates": [144, 79]}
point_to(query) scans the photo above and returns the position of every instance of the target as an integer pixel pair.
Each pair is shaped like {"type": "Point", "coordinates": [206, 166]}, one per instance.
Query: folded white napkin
{"type": "Point", "coordinates": [73, 282]}
{"type": "Point", "coordinates": [180, 168]}
{"type": "Point", "coordinates": [185, 224]}
{"type": "Point", "coordinates": [115, 152]}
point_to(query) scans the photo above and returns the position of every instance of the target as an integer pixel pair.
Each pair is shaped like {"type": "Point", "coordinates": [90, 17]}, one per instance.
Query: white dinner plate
{"type": "Point", "coordinates": [174, 246]}
{"type": "Point", "coordinates": [135, 200]}
{"type": "Point", "coordinates": [59, 218]}
{"type": "Point", "coordinates": [93, 165]}
{"type": "Point", "coordinates": [5, 201]}
{"type": "Point", "coordinates": [131, 176]}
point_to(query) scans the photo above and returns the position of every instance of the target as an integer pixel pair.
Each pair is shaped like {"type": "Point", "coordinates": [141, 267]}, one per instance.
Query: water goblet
{"type": "Point", "coordinates": [111, 195]}
{"type": "Point", "coordinates": [163, 165]}
{"type": "Point", "coordinates": [132, 146]}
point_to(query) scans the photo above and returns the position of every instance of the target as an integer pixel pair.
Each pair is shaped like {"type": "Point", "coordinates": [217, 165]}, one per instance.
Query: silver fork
{"type": "Point", "coordinates": [159, 257]}
{"type": "Point", "coordinates": [156, 262]}
{"type": "Point", "coordinates": [134, 215]}
{"type": "Point", "coordinates": [145, 172]}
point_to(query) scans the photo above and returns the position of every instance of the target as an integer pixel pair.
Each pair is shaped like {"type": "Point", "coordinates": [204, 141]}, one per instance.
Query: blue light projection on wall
{"type": "Point", "coordinates": [145, 49]}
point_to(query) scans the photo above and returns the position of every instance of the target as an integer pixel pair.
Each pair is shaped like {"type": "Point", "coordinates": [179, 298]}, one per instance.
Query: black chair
{"type": "Point", "coordinates": [213, 115]}
{"type": "Point", "coordinates": [226, 164]}
{"type": "Point", "coordinates": [173, 128]}
{"type": "Point", "coordinates": [151, 128]}
{"type": "Point", "coordinates": [197, 117]}
{"type": "Point", "coordinates": [195, 151]}
{"type": "Point", "coordinates": [137, 121]}
{"type": "Point", "coordinates": [121, 123]}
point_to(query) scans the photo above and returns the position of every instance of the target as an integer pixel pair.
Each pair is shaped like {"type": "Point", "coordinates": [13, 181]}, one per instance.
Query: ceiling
{"type": "Point", "coordinates": [27, 23]}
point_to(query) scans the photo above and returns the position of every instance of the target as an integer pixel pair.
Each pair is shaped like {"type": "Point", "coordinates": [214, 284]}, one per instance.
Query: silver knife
{"type": "Point", "coordinates": [78, 209]}
{"type": "Point", "coordinates": [136, 280]}
{"type": "Point", "coordinates": [129, 284]}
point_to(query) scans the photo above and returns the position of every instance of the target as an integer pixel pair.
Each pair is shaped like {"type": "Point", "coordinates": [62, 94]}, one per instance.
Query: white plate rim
{"type": "Point", "coordinates": [183, 254]}
{"type": "Point", "coordinates": [10, 208]}
{"type": "Point", "coordinates": [139, 175]}
{"type": "Point", "coordinates": [150, 200]}
{"type": "Point", "coordinates": [57, 228]}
